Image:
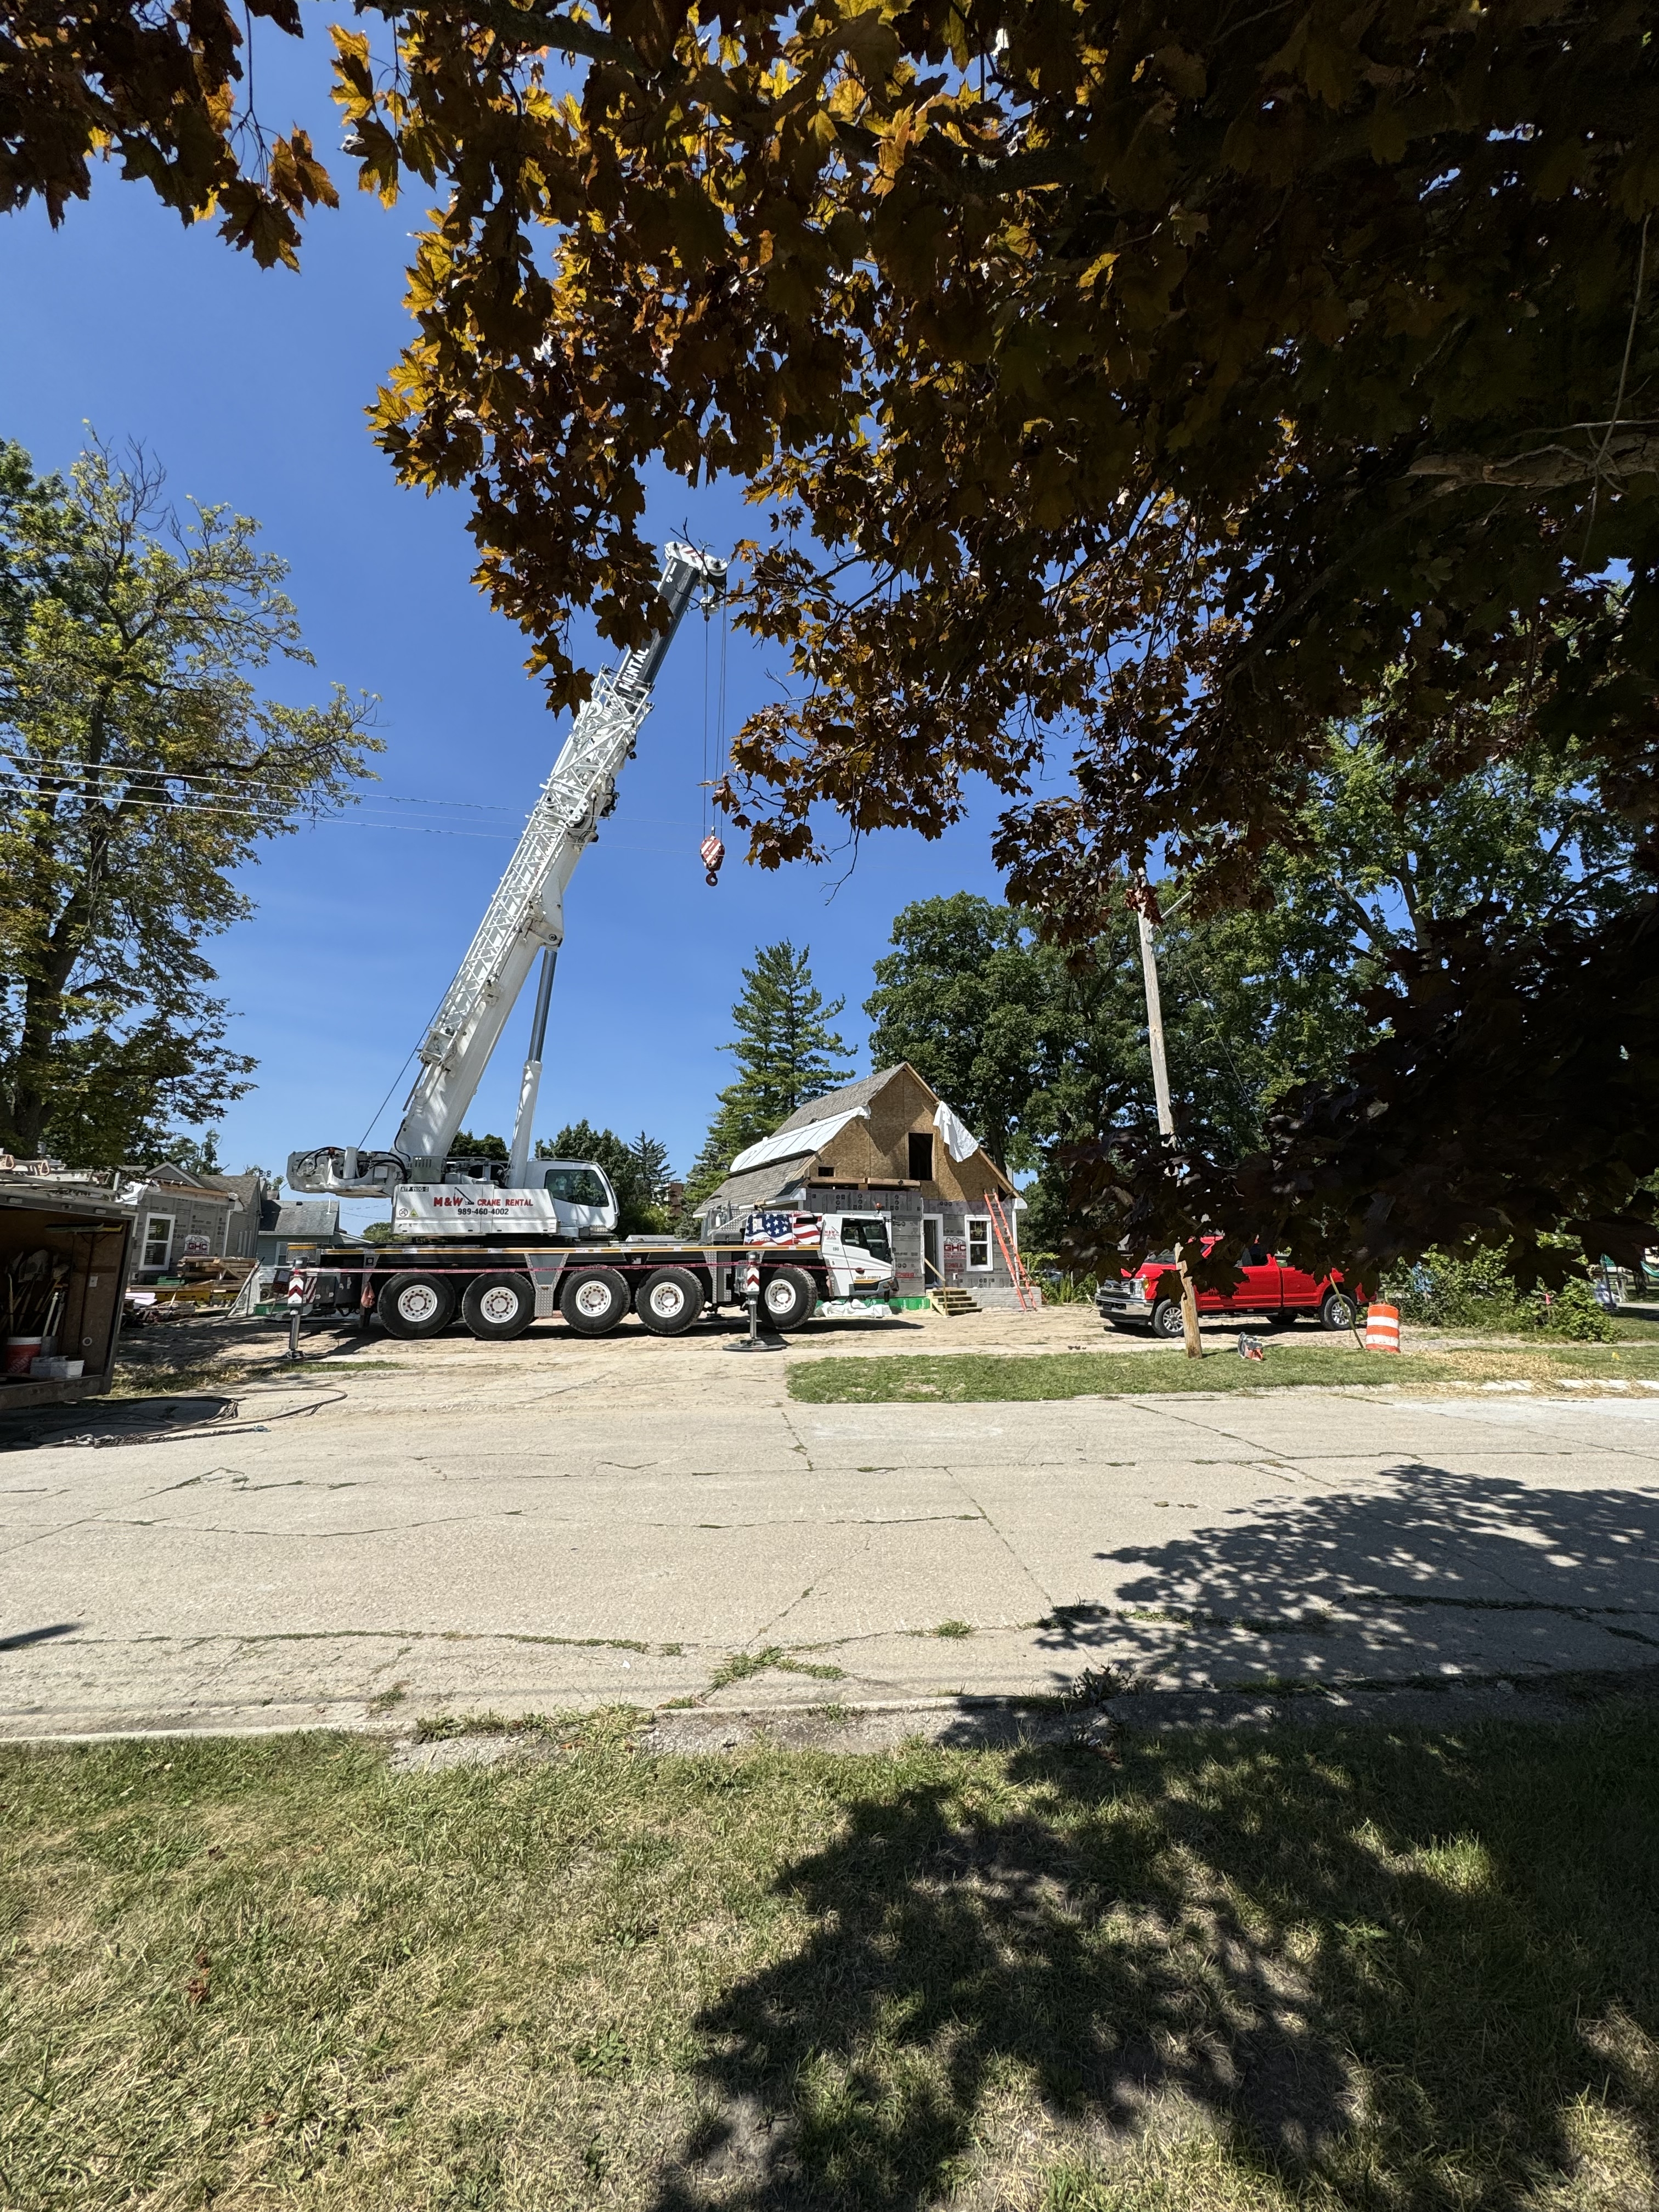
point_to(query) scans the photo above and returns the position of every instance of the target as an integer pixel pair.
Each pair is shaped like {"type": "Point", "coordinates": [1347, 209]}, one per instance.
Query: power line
{"type": "Point", "coordinates": [225, 782]}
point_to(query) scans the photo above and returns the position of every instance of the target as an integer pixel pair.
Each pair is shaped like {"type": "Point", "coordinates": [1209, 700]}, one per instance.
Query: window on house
{"type": "Point", "coordinates": [158, 1241]}
{"type": "Point", "coordinates": [921, 1157]}
{"type": "Point", "coordinates": [978, 1243]}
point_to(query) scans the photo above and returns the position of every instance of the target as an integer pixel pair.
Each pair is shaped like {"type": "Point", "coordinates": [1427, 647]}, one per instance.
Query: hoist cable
{"type": "Point", "coordinates": [703, 813]}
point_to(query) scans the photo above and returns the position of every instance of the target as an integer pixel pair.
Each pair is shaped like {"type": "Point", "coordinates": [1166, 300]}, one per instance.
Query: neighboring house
{"type": "Point", "coordinates": [297, 1221]}
{"type": "Point", "coordinates": [242, 1224]}
{"type": "Point", "coordinates": [177, 1216]}
{"type": "Point", "coordinates": [889, 1144]}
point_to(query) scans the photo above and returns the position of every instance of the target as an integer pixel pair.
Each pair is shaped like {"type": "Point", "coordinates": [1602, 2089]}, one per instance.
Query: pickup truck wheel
{"type": "Point", "coordinates": [1337, 1311]}
{"type": "Point", "coordinates": [787, 1298]}
{"type": "Point", "coordinates": [1166, 1317]}
{"type": "Point", "coordinates": [415, 1305]}
{"type": "Point", "coordinates": [497, 1307]}
{"type": "Point", "coordinates": [594, 1300]}
{"type": "Point", "coordinates": [670, 1300]}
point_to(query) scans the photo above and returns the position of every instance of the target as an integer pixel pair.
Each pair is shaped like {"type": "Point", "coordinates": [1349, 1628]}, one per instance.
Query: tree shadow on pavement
{"type": "Point", "coordinates": [1365, 1966]}
{"type": "Point", "coordinates": [1421, 1570]}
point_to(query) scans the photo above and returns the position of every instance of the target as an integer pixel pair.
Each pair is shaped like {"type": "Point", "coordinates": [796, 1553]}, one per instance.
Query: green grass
{"type": "Point", "coordinates": [962, 1377]}
{"type": "Point", "coordinates": [1315, 1971]}
{"type": "Point", "coordinates": [743, 1666]}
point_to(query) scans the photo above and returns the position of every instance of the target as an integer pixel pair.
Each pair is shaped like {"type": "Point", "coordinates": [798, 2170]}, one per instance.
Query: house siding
{"type": "Point", "coordinates": [904, 1211]}
{"type": "Point", "coordinates": [878, 1149]}
{"type": "Point", "coordinates": [199, 1219]}
{"type": "Point", "coordinates": [865, 1169]}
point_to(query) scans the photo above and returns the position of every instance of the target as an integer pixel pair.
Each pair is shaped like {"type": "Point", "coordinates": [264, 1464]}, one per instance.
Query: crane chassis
{"type": "Point", "coordinates": [499, 1288]}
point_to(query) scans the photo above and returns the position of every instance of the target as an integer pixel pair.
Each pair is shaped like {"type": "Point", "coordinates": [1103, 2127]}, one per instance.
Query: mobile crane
{"type": "Point", "coordinates": [515, 1243]}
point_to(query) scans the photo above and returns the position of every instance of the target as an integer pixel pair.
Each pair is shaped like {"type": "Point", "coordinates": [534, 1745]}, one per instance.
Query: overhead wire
{"type": "Point", "coordinates": [211, 808]}
{"type": "Point", "coordinates": [226, 781]}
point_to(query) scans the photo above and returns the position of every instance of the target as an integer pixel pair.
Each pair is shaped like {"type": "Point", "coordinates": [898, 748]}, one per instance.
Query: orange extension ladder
{"type": "Point", "coordinates": [1025, 1289]}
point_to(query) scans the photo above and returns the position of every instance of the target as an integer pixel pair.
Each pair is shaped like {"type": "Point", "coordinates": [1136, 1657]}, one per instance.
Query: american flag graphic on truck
{"type": "Point", "coordinates": [781, 1229]}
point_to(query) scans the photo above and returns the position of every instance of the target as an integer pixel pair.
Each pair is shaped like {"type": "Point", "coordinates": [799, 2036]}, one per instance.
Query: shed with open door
{"type": "Point", "coordinates": [63, 1256]}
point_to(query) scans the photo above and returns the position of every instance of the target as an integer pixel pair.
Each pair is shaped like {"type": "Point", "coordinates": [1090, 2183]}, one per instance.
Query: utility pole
{"type": "Point", "coordinates": [1165, 1117]}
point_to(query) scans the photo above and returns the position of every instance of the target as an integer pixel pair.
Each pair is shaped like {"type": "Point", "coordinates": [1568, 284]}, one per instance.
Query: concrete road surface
{"type": "Point", "coordinates": [414, 1530]}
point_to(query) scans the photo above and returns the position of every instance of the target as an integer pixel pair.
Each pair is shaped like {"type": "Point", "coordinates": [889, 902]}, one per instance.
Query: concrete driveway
{"type": "Point", "coordinates": [414, 1530]}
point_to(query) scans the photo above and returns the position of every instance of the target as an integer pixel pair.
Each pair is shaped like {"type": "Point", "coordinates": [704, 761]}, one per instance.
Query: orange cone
{"type": "Point", "coordinates": [1382, 1328]}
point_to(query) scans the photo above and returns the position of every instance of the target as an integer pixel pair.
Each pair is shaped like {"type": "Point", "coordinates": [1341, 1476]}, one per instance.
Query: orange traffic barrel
{"type": "Point", "coordinates": [1382, 1328]}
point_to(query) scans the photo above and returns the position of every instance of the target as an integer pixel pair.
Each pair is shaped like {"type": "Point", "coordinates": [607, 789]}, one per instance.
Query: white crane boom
{"type": "Point", "coordinates": [526, 916]}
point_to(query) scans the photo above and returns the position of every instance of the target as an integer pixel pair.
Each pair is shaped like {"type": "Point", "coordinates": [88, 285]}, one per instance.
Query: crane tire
{"type": "Point", "coordinates": [593, 1300]}
{"type": "Point", "coordinates": [787, 1298]}
{"type": "Point", "coordinates": [500, 1306]}
{"type": "Point", "coordinates": [668, 1301]}
{"type": "Point", "coordinates": [415, 1305]}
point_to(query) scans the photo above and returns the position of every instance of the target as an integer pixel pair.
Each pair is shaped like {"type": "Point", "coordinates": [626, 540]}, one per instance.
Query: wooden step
{"type": "Point", "coordinates": [953, 1302]}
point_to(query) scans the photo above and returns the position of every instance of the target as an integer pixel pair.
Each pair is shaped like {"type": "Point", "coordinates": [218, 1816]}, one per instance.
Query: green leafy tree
{"type": "Point", "coordinates": [785, 1051]}
{"type": "Point", "coordinates": [463, 1145]}
{"type": "Point", "coordinates": [969, 998]}
{"type": "Point", "coordinates": [197, 1156]}
{"type": "Point", "coordinates": [1257, 1003]}
{"type": "Point", "coordinates": [140, 767]}
{"type": "Point", "coordinates": [639, 1212]}
{"type": "Point", "coordinates": [1135, 384]}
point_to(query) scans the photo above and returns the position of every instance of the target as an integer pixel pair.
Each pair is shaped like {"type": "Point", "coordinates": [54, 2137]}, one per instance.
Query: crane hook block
{"type": "Point", "coordinates": [712, 853]}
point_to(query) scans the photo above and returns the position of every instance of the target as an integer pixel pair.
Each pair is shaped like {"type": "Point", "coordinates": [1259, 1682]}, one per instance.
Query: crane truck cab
{"type": "Point", "coordinates": [566, 1201]}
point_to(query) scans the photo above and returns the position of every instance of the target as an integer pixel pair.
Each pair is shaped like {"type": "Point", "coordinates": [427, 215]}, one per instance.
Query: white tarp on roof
{"type": "Point", "coordinates": [959, 1141]}
{"type": "Point", "coordinates": [791, 1144]}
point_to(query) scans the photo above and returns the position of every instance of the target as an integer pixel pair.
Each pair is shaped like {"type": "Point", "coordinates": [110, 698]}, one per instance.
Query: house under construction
{"type": "Point", "coordinates": [889, 1144]}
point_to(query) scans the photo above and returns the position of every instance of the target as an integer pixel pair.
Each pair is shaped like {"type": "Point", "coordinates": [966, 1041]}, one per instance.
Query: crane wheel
{"type": "Point", "coordinates": [415, 1305]}
{"type": "Point", "coordinates": [497, 1307]}
{"type": "Point", "coordinates": [670, 1300]}
{"type": "Point", "coordinates": [787, 1298]}
{"type": "Point", "coordinates": [594, 1301]}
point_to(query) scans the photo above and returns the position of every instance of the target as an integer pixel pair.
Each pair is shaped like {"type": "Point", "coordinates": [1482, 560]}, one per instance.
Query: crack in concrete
{"type": "Point", "coordinates": [960, 1480]}
{"type": "Point", "coordinates": [296, 1536]}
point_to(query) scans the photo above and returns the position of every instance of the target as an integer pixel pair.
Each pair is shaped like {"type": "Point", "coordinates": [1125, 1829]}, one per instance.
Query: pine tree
{"type": "Point", "coordinates": [786, 1053]}
{"type": "Point", "coordinates": [637, 1208]}
{"type": "Point", "coordinates": [650, 1159]}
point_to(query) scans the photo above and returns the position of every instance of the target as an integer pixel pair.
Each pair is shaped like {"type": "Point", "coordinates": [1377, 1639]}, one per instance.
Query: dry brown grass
{"type": "Point", "coordinates": [1338, 1970]}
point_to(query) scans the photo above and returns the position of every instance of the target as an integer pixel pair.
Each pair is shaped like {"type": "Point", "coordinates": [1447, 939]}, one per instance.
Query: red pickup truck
{"type": "Point", "coordinates": [1273, 1290]}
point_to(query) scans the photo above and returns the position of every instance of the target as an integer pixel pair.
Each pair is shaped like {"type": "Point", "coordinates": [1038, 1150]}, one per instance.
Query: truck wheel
{"type": "Point", "coordinates": [1337, 1312]}
{"type": "Point", "coordinates": [497, 1307]}
{"type": "Point", "coordinates": [594, 1300]}
{"type": "Point", "coordinates": [1166, 1317]}
{"type": "Point", "coordinates": [415, 1305]}
{"type": "Point", "coordinates": [670, 1300]}
{"type": "Point", "coordinates": [787, 1298]}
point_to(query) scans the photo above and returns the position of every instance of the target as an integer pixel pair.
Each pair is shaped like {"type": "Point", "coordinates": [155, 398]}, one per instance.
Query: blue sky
{"type": "Point", "coordinates": [249, 387]}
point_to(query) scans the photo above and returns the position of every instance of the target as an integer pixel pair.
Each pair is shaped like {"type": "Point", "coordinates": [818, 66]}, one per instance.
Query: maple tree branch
{"type": "Point", "coordinates": [1547, 469]}
{"type": "Point", "coordinates": [533, 26]}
